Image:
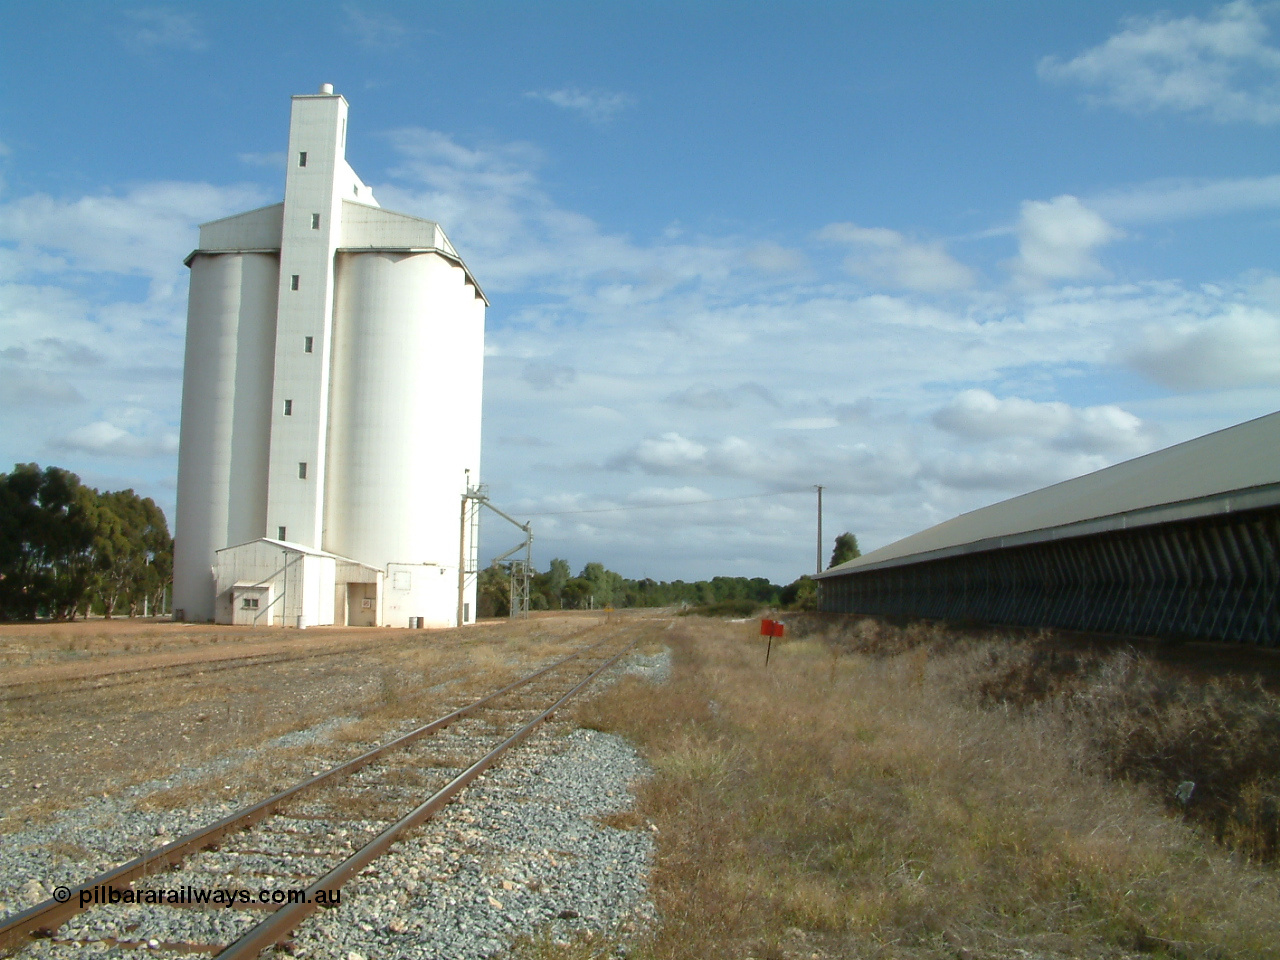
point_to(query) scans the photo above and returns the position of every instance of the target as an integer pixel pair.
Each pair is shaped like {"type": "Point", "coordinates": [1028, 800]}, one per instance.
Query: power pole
{"type": "Point", "coordinates": [819, 489]}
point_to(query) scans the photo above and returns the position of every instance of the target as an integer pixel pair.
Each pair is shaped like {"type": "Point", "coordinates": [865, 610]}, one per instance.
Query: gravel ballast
{"type": "Point", "coordinates": [536, 846]}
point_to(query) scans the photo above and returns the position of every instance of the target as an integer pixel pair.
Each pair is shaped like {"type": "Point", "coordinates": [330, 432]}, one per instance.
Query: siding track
{"type": "Point", "coordinates": [315, 835]}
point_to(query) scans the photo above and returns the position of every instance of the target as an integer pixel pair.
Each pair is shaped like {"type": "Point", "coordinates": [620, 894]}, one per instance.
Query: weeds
{"type": "Point", "coordinates": [877, 803]}
{"type": "Point", "coordinates": [726, 608]}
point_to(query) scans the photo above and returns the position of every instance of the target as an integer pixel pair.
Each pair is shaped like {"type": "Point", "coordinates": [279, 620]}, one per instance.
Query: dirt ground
{"type": "Point", "coordinates": [94, 706]}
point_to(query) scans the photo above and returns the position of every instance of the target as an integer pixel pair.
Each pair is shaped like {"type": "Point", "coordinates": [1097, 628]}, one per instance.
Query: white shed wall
{"type": "Point", "coordinates": [302, 594]}
{"type": "Point", "coordinates": [425, 591]}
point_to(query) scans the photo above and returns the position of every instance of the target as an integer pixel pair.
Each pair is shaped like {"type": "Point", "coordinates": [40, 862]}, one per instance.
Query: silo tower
{"type": "Point", "coordinates": [331, 405]}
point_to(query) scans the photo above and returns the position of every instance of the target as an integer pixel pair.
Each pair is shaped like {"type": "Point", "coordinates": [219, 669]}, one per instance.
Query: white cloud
{"type": "Point", "coordinates": [598, 106]}
{"type": "Point", "coordinates": [647, 495]}
{"type": "Point", "coordinates": [809, 423]}
{"type": "Point", "coordinates": [1220, 67]}
{"type": "Point", "coordinates": [146, 231]}
{"type": "Point", "coordinates": [669, 453]}
{"type": "Point", "coordinates": [373, 29]}
{"type": "Point", "coordinates": [1182, 199]}
{"type": "Point", "coordinates": [515, 235]}
{"type": "Point", "coordinates": [1237, 348]}
{"type": "Point", "coordinates": [791, 462]}
{"type": "Point", "coordinates": [19, 389]}
{"type": "Point", "coordinates": [1007, 470]}
{"type": "Point", "coordinates": [620, 366]}
{"type": "Point", "coordinates": [549, 376]}
{"type": "Point", "coordinates": [711, 399]}
{"type": "Point", "coordinates": [273, 160]}
{"type": "Point", "coordinates": [775, 258]}
{"type": "Point", "coordinates": [889, 257]}
{"type": "Point", "coordinates": [105, 439]}
{"type": "Point", "coordinates": [1106, 429]}
{"type": "Point", "coordinates": [1057, 239]}
{"type": "Point", "coordinates": [163, 29]}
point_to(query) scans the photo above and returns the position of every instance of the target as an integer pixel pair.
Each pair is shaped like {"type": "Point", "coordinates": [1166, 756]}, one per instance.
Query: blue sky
{"type": "Point", "coordinates": [929, 255]}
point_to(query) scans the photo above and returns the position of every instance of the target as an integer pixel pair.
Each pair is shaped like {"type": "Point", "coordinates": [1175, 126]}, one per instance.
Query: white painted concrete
{"type": "Point", "coordinates": [329, 333]}
{"type": "Point", "coordinates": [226, 417]}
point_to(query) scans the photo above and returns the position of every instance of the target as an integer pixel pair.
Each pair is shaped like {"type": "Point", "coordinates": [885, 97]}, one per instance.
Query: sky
{"type": "Point", "coordinates": [928, 255]}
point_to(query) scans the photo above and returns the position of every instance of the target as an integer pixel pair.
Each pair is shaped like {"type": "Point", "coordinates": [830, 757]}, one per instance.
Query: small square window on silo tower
{"type": "Point", "coordinates": [293, 282]}
{"type": "Point", "coordinates": [315, 221]}
{"type": "Point", "coordinates": [288, 408]}
{"type": "Point", "coordinates": [308, 343]}
{"type": "Point", "coordinates": [302, 158]}
{"type": "Point", "coordinates": [280, 534]}
{"type": "Point", "coordinates": [302, 471]}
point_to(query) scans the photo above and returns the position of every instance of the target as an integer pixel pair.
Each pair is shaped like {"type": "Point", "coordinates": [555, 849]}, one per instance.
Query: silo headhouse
{"type": "Point", "coordinates": [330, 406]}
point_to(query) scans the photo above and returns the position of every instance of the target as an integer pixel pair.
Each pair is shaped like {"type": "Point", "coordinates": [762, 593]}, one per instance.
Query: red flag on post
{"type": "Point", "coordinates": [770, 629]}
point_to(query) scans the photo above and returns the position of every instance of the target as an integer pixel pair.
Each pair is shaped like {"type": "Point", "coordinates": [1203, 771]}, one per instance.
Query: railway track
{"type": "Point", "coordinates": [42, 689]}
{"type": "Point", "coordinates": [12, 690]}
{"type": "Point", "coordinates": [264, 869]}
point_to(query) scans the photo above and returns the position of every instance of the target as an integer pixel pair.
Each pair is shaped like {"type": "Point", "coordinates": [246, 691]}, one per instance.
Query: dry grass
{"type": "Point", "coordinates": [1208, 749]}
{"type": "Point", "coordinates": [578, 945]}
{"type": "Point", "coordinates": [622, 820]}
{"type": "Point", "coordinates": [868, 804]}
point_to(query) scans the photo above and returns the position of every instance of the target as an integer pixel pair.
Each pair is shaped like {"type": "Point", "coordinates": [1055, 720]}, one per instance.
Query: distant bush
{"type": "Point", "coordinates": [725, 608]}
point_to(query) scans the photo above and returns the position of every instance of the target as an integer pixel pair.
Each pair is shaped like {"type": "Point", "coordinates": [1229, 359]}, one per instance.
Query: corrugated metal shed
{"type": "Point", "coordinates": [1228, 471]}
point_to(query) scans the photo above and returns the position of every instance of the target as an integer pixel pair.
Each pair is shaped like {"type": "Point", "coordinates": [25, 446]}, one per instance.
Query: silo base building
{"type": "Point", "coordinates": [330, 406]}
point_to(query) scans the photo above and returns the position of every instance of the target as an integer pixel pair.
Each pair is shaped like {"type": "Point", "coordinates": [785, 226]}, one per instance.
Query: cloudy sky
{"type": "Point", "coordinates": [926, 254]}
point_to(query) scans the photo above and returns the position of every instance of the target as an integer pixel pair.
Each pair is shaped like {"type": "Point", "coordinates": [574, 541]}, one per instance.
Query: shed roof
{"type": "Point", "coordinates": [1223, 472]}
{"type": "Point", "coordinates": [297, 548]}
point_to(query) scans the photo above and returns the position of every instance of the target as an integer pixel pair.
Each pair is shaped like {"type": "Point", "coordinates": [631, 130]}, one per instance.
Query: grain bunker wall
{"type": "Point", "coordinates": [1184, 542]}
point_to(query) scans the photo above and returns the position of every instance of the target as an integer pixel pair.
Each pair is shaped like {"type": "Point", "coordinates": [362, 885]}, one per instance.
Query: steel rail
{"type": "Point", "coordinates": [44, 918]}
{"type": "Point", "coordinates": [281, 924]}
{"type": "Point", "coordinates": [190, 668]}
{"type": "Point", "coordinates": [125, 678]}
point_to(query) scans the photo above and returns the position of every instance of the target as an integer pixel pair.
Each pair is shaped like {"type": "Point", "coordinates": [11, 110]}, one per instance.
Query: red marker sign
{"type": "Point", "coordinates": [770, 629]}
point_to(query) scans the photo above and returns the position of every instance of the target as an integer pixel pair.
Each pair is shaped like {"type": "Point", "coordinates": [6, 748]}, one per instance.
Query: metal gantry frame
{"type": "Point", "coordinates": [521, 570]}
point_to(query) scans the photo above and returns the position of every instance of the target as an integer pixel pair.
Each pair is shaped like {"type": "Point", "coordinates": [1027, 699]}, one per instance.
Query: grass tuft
{"type": "Point", "coordinates": [918, 793]}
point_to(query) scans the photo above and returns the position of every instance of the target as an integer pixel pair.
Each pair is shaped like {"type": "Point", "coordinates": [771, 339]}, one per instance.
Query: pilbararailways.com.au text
{"type": "Point", "coordinates": [188, 895]}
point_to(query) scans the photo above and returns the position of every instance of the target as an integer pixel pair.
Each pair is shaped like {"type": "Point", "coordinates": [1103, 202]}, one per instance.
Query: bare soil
{"type": "Point", "coordinates": [191, 694]}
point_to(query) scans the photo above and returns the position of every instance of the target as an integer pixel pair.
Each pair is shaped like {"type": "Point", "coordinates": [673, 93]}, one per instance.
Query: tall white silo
{"type": "Point", "coordinates": [226, 417]}
{"type": "Point", "coordinates": [332, 387]}
{"type": "Point", "coordinates": [404, 417]}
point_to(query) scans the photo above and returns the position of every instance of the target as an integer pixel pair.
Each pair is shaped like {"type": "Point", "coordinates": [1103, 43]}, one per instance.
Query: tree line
{"type": "Point", "coordinates": [597, 587]}
{"type": "Point", "coordinates": [66, 548]}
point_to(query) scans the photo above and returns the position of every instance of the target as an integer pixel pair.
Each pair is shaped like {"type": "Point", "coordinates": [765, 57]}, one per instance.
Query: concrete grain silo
{"type": "Point", "coordinates": [331, 405]}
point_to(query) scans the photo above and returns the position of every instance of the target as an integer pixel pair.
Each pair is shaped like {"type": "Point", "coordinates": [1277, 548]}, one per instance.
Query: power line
{"type": "Point", "coordinates": [663, 506]}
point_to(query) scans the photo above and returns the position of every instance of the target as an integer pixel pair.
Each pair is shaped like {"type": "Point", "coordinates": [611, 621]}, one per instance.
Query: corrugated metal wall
{"type": "Point", "coordinates": [1211, 579]}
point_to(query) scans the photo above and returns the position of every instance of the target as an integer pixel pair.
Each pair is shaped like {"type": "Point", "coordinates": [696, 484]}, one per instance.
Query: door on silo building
{"type": "Point", "coordinates": [362, 604]}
